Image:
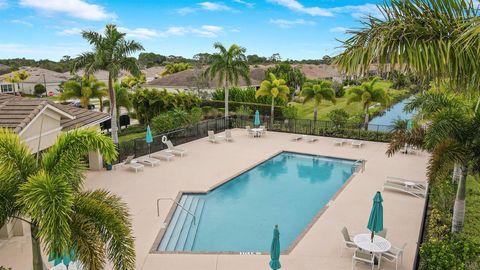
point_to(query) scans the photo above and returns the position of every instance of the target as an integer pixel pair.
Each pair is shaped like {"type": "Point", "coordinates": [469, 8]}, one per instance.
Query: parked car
{"type": "Point", "coordinates": [50, 94]}
{"type": "Point", "coordinates": [77, 104]}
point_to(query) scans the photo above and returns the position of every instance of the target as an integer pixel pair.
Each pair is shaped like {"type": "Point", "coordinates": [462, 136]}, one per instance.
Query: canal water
{"type": "Point", "coordinates": [387, 119]}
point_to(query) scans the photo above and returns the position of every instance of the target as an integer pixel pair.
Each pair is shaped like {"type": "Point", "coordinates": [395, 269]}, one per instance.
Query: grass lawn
{"type": "Point", "coordinates": [305, 111]}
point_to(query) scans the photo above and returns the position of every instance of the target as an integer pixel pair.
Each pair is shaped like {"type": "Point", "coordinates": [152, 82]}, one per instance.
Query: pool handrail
{"type": "Point", "coordinates": [177, 203]}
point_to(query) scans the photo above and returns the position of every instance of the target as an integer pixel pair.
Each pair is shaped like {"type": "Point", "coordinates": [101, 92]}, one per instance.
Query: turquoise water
{"type": "Point", "coordinates": [288, 189]}
{"type": "Point", "coordinates": [393, 113]}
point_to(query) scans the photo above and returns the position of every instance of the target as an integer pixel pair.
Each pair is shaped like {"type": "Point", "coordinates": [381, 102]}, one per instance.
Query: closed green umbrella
{"type": "Point", "coordinates": [409, 125]}
{"type": "Point", "coordinates": [275, 250]}
{"type": "Point", "coordinates": [375, 222]}
{"type": "Point", "coordinates": [257, 118]}
{"type": "Point", "coordinates": [149, 138]}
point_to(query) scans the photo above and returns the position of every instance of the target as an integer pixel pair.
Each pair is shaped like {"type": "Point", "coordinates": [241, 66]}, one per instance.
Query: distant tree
{"type": "Point", "coordinates": [175, 67]}
{"type": "Point", "coordinates": [327, 60]}
{"type": "Point", "coordinates": [275, 58]}
{"type": "Point", "coordinates": [39, 89]}
{"type": "Point", "coordinates": [318, 92]}
{"type": "Point", "coordinates": [227, 66]}
{"type": "Point", "coordinates": [254, 59]}
{"type": "Point", "coordinates": [151, 59]}
{"type": "Point", "coordinates": [202, 59]}
{"type": "Point", "coordinates": [274, 88]}
{"type": "Point", "coordinates": [84, 89]}
{"type": "Point", "coordinates": [111, 52]}
{"type": "Point", "coordinates": [21, 76]}
{"type": "Point", "coordinates": [122, 98]}
{"type": "Point", "coordinates": [132, 81]}
{"type": "Point", "coordinates": [13, 80]}
{"type": "Point", "coordinates": [293, 77]}
{"type": "Point", "coordinates": [338, 117]}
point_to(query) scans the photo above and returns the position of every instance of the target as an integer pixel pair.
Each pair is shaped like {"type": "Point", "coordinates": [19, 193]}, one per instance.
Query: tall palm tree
{"type": "Point", "coordinates": [318, 92]}
{"type": "Point", "coordinates": [227, 67]}
{"type": "Point", "coordinates": [87, 88]}
{"type": "Point", "coordinates": [273, 88]}
{"type": "Point", "coordinates": [451, 136]}
{"type": "Point", "coordinates": [123, 100]}
{"type": "Point", "coordinates": [435, 39]}
{"type": "Point", "coordinates": [111, 52]}
{"type": "Point", "coordinates": [368, 93]}
{"type": "Point", "coordinates": [48, 195]}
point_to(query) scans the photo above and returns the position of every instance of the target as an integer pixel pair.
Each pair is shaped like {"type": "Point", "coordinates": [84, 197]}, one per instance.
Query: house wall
{"type": "Point", "coordinates": [50, 129]}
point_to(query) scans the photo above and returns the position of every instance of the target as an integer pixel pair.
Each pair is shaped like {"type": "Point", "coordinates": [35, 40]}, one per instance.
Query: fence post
{"type": "Point", "coordinates": [135, 148]}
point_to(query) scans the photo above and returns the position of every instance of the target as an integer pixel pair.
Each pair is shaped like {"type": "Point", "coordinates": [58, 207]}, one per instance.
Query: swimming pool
{"type": "Point", "coordinates": [288, 189]}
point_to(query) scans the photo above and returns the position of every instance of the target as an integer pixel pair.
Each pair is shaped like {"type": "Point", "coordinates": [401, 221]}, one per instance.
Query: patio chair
{"type": "Point", "coordinates": [175, 150]}
{"type": "Point", "coordinates": [228, 135]}
{"type": "Point", "coordinates": [357, 143]}
{"type": "Point", "coordinates": [212, 137]}
{"type": "Point", "coordinates": [339, 142]}
{"type": "Point", "coordinates": [163, 156]}
{"type": "Point", "coordinates": [296, 138]}
{"type": "Point", "coordinates": [149, 161]}
{"type": "Point", "coordinates": [395, 254]}
{"type": "Point", "coordinates": [264, 130]}
{"type": "Point", "coordinates": [347, 241]}
{"type": "Point", "coordinates": [382, 233]}
{"type": "Point", "coordinates": [414, 188]}
{"type": "Point", "coordinates": [310, 139]}
{"type": "Point", "coordinates": [133, 164]}
{"type": "Point", "coordinates": [250, 131]}
{"type": "Point", "coordinates": [363, 256]}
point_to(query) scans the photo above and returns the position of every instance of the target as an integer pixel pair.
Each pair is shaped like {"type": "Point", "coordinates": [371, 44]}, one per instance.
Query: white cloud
{"type": "Point", "coordinates": [354, 11]}
{"type": "Point", "coordinates": [142, 33]}
{"type": "Point", "coordinates": [212, 28]}
{"type": "Point", "coordinates": [174, 31]}
{"type": "Point", "coordinates": [208, 31]}
{"type": "Point", "coordinates": [338, 29]}
{"type": "Point", "coordinates": [22, 22]}
{"type": "Point", "coordinates": [70, 31]}
{"type": "Point", "coordinates": [296, 6]}
{"type": "Point", "coordinates": [73, 8]}
{"type": "Point", "coordinates": [213, 6]}
{"type": "Point", "coordinates": [289, 23]}
{"type": "Point", "coordinates": [248, 4]}
{"type": "Point", "coordinates": [185, 10]}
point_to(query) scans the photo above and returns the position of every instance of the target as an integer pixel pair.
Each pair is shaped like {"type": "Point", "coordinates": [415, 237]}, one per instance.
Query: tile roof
{"type": "Point", "coordinates": [17, 112]}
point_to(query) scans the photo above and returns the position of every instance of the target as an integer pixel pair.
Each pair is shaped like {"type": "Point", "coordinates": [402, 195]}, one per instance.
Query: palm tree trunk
{"type": "Point", "coordinates": [365, 123]}
{"type": "Point", "coordinates": [114, 126]}
{"type": "Point", "coordinates": [100, 99]}
{"type": "Point", "coordinates": [225, 87]}
{"type": "Point", "coordinates": [36, 249]}
{"type": "Point", "coordinates": [315, 112]}
{"type": "Point", "coordinates": [457, 173]}
{"type": "Point", "coordinates": [459, 206]}
{"type": "Point", "coordinates": [272, 112]}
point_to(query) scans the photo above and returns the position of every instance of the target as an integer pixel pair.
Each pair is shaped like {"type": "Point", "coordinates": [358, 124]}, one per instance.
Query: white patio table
{"type": "Point", "coordinates": [378, 246]}
{"type": "Point", "coordinates": [257, 131]}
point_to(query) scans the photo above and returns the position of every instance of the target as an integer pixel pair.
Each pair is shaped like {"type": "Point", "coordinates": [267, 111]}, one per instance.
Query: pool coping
{"type": "Point", "coordinates": [168, 218]}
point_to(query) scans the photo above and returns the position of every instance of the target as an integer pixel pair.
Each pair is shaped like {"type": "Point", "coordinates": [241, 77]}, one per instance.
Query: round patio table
{"type": "Point", "coordinates": [378, 246]}
{"type": "Point", "coordinates": [257, 131]}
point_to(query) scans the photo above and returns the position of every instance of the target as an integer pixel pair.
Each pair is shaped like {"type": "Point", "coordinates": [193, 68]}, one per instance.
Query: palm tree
{"type": "Point", "coordinates": [175, 67]}
{"type": "Point", "coordinates": [111, 52]}
{"type": "Point", "coordinates": [442, 42]}
{"type": "Point", "coordinates": [47, 194]}
{"type": "Point", "coordinates": [85, 89]}
{"type": "Point", "coordinates": [273, 88]}
{"type": "Point", "coordinates": [368, 93]}
{"type": "Point", "coordinates": [227, 66]}
{"type": "Point", "coordinates": [133, 82]}
{"type": "Point", "coordinates": [452, 138]}
{"type": "Point", "coordinates": [122, 96]}
{"type": "Point", "coordinates": [318, 92]}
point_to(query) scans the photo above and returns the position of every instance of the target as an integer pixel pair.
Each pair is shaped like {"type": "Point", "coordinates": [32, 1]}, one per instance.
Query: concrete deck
{"type": "Point", "coordinates": [207, 164]}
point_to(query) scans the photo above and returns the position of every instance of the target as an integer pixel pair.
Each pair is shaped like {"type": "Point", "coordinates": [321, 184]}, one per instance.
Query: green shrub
{"type": "Point", "coordinates": [244, 111]}
{"type": "Point", "coordinates": [237, 94]}
{"type": "Point", "coordinates": [290, 112]}
{"type": "Point", "coordinates": [39, 89]}
{"type": "Point", "coordinates": [264, 109]}
{"type": "Point", "coordinates": [176, 119]}
{"type": "Point", "coordinates": [339, 117]}
{"type": "Point", "coordinates": [453, 253]}
{"type": "Point", "coordinates": [339, 89]}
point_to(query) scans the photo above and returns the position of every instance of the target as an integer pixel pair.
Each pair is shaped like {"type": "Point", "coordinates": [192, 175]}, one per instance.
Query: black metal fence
{"type": "Point", "coordinates": [139, 147]}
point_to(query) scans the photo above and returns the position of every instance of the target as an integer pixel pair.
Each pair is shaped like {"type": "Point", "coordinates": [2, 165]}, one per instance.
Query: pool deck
{"type": "Point", "coordinates": [206, 165]}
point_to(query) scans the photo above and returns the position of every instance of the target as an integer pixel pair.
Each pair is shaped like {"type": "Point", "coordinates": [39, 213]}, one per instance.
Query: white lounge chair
{"type": "Point", "coordinates": [133, 164]}
{"type": "Point", "coordinates": [339, 142]}
{"type": "Point", "coordinates": [357, 143]}
{"type": "Point", "coordinates": [394, 255]}
{"type": "Point", "coordinates": [309, 138]}
{"type": "Point", "coordinates": [228, 135]}
{"type": "Point", "coordinates": [296, 138]}
{"type": "Point", "coordinates": [363, 256]}
{"type": "Point", "coordinates": [149, 161]}
{"type": "Point", "coordinates": [163, 156]}
{"type": "Point", "coordinates": [212, 137]}
{"type": "Point", "coordinates": [347, 240]}
{"type": "Point", "coordinates": [414, 188]}
{"type": "Point", "coordinates": [264, 130]}
{"type": "Point", "coordinates": [174, 150]}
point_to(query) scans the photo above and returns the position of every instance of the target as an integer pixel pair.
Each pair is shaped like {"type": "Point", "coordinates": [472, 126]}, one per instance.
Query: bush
{"type": "Point", "coordinates": [244, 111]}
{"type": "Point", "coordinates": [176, 119]}
{"type": "Point", "coordinates": [149, 103]}
{"type": "Point", "coordinates": [39, 89]}
{"type": "Point", "coordinates": [339, 117]}
{"type": "Point", "coordinates": [339, 89]}
{"type": "Point", "coordinates": [290, 112]}
{"type": "Point", "coordinates": [264, 109]}
{"type": "Point", "coordinates": [237, 94]}
{"type": "Point", "coordinates": [455, 252]}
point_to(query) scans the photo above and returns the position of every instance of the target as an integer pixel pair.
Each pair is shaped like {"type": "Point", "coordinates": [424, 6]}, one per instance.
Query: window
{"type": "Point", "coordinates": [6, 88]}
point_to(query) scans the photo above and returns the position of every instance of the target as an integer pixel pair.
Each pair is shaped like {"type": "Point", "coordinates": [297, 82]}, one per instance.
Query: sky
{"type": "Point", "coordinates": [296, 29]}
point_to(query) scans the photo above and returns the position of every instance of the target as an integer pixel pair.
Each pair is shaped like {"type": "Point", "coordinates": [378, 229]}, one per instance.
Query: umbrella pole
{"type": "Point", "coordinates": [149, 150]}
{"type": "Point", "coordinates": [372, 236]}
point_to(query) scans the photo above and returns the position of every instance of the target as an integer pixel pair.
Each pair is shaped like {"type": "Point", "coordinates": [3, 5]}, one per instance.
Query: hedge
{"type": "Point", "coordinates": [264, 109]}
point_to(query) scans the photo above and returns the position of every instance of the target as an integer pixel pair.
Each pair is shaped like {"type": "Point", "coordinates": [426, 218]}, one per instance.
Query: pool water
{"type": "Point", "coordinates": [289, 190]}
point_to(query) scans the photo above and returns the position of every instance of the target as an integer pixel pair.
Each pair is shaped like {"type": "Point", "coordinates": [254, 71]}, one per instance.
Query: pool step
{"type": "Point", "coordinates": [182, 229]}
